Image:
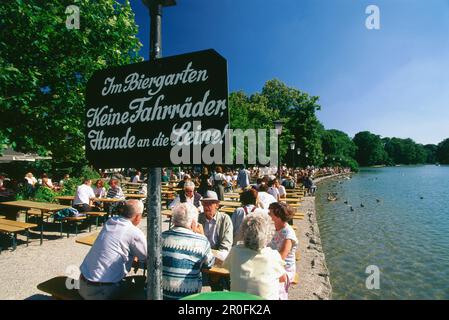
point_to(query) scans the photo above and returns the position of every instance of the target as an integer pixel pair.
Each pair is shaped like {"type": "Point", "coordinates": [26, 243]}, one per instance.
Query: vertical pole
{"type": "Point", "coordinates": [154, 220]}
{"type": "Point", "coordinates": [279, 161]}
{"type": "Point", "coordinates": [293, 159]}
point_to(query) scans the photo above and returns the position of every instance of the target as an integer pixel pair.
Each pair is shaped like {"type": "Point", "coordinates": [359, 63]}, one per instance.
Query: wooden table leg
{"type": "Point", "coordinates": [42, 226]}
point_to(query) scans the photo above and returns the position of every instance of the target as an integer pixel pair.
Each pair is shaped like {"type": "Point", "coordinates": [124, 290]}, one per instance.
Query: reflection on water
{"type": "Point", "coordinates": [399, 222]}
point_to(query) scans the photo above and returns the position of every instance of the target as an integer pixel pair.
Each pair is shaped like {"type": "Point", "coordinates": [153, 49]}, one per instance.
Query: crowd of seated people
{"type": "Point", "coordinates": [257, 246]}
{"type": "Point", "coordinates": [256, 243]}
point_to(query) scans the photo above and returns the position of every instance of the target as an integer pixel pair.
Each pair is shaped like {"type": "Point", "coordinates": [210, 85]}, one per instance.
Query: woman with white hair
{"type": "Point", "coordinates": [185, 251]}
{"type": "Point", "coordinates": [255, 268]}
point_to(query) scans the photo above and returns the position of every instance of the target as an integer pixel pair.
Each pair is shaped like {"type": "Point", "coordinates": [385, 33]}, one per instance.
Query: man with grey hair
{"type": "Point", "coordinates": [189, 195]}
{"type": "Point", "coordinates": [110, 259]}
{"type": "Point", "coordinates": [185, 251]}
{"type": "Point", "coordinates": [254, 267]}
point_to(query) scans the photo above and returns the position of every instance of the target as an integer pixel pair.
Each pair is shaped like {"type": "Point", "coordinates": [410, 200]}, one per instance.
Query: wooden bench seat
{"type": "Point", "coordinates": [13, 231]}
{"type": "Point", "coordinates": [74, 221]}
{"type": "Point", "coordinates": [74, 218]}
{"type": "Point", "coordinates": [10, 229]}
{"type": "Point", "coordinates": [37, 213]}
{"type": "Point", "coordinates": [227, 210]}
{"type": "Point", "coordinates": [13, 227]}
{"type": "Point", "coordinates": [19, 224]}
{"type": "Point", "coordinates": [56, 287]}
{"type": "Point", "coordinates": [96, 215]}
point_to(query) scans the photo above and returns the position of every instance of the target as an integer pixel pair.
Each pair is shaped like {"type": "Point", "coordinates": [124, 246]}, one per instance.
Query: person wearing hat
{"type": "Point", "coordinates": [217, 225]}
{"type": "Point", "coordinates": [218, 230]}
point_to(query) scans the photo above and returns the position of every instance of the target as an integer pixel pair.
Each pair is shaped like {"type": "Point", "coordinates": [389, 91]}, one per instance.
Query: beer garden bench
{"type": "Point", "coordinates": [11, 227]}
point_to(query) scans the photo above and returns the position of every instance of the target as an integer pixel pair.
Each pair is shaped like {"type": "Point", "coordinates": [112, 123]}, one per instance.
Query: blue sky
{"type": "Point", "coordinates": [393, 81]}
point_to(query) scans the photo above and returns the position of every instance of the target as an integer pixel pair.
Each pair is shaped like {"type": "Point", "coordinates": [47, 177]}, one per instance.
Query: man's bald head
{"type": "Point", "coordinates": [132, 210]}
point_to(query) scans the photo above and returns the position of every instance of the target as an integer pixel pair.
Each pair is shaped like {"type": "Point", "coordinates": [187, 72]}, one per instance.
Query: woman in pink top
{"type": "Point", "coordinates": [284, 241]}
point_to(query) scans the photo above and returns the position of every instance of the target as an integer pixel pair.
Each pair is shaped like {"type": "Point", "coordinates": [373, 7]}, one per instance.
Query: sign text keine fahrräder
{"type": "Point", "coordinates": [136, 113]}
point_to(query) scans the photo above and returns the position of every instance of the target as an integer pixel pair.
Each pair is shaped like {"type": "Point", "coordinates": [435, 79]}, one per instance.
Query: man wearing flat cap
{"type": "Point", "coordinates": [218, 230]}
{"type": "Point", "coordinates": [217, 225]}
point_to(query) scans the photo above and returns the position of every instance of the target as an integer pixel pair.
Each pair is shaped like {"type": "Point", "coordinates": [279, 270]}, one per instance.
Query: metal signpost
{"type": "Point", "coordinates": [137, 114]}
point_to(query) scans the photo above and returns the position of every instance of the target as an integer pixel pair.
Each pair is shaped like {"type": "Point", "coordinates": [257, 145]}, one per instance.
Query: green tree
{"type": "Point", "coordinates": [44, 67]}
{"type": "Point", "coordinates": [253, 113]}
{"type": "Point", "coordinates": [338, 148]}
{"type": "Point", "coordinates": [338, 143]}
{"type": "Point", "coordinates": [405, 151]}
{"type": "Point", "coordinates": [370, 149]}
{"type": "Point", "coordinates": [299, 109]}
{"type": "Point", "coordinates": [443, 152]}
{"type": "Point", "coordinates": [431, 151]}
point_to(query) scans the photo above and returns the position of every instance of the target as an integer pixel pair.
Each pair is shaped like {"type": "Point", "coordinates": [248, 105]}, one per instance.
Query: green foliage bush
{"type": "Point", "coordinates": [44, 194]}
{"type": "Point", "coordinates": [69, 187]}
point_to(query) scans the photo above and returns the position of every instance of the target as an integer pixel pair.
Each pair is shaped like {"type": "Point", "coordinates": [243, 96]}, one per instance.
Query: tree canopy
{"type": "Point", "coordinates": [299, 108]}
{"type": "Point", "coordinates": [404, 151]}
{"type": "Point", "coordinates": [338, 148]}
{"type": "Point", "coordinates": [370, 149]}
{"type": "Point", "coordinates": [443, 152]}
{"type": "Point", "coordinates": [44, 67]}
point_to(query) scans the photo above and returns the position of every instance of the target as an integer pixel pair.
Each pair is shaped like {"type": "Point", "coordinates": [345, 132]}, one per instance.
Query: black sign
{"type": "Point", "coordinates": [158, 113]}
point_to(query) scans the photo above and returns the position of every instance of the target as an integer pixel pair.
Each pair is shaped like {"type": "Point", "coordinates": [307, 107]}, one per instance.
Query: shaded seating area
{"type": "Point", "coordinates": [59, 290]}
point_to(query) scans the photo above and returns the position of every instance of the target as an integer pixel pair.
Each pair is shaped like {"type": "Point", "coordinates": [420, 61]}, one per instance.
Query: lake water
{"type": "Point", "coordinates": [405, 233]}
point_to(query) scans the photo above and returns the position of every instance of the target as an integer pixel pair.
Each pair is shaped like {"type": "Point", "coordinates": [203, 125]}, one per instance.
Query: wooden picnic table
{"type": "Point", "coordinates": [65, 197]}
{"type": "Point", "coordinates": [108, 200]}
{"type": "Point", "coordinates": [17, 223]}
{"type": "Point", "coordinates": [133, 183]}
{"type": "Point", "coordinates": [227, 210]}
{"type": "Point", "coordinates": [133, 191]}
{"type": "Point", "coordinates": [88, 240]}
{"type": "Point", "coordinates": [44, 207]}
{"type": "Point", "coordinates": [232, 196]}
{"type": "Point", "coordinates": [13, 227]}
{"type": "Point", "coordinates": [174, 188]}
{"type": "Point", "coordinates": [299, 216]}
{"type": "Point", "coordinates": [234, 204]}
{"type": "Point", "coordinates": [290, 200]}
{"type": "Point", "coordinates": [135, 196]}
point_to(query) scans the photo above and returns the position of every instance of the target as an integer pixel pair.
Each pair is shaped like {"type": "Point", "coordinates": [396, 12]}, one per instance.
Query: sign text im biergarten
{"type": "Point", "coordinates": [136, 114]}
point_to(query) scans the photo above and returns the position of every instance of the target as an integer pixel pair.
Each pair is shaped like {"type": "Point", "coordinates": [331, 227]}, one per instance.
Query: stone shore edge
{"type": "Point", "coordinates": [313, 274]}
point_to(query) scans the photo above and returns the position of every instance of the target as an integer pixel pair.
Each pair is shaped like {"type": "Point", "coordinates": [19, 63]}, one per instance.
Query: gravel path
{"type": "Point", "coordinates": [26, 267]}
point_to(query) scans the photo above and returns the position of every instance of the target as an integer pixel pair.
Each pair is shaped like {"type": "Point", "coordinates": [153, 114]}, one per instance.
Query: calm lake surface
{"type": "Point", "coordinates": [405, 234]}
